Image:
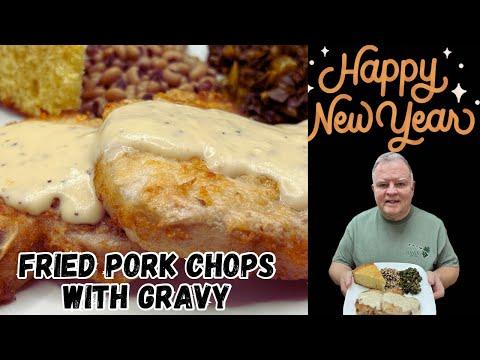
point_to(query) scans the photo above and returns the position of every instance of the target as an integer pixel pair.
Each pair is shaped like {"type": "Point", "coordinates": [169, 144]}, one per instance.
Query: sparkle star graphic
{"type": "Point", "coordinates": [324, 51]}
{"type": "Point", "coordinates": [447, 52]}
{"type": "Point", "coordinates": [458, 91]}
{"type": "Point", "coordinates": [309, 88]}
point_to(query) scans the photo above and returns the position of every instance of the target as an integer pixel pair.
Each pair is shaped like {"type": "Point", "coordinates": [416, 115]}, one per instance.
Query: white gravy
{"type": "Point", "coordinates": [372, 298]}
{"type": "Point", "coordinates": [41, 161]}
{"type": "Point", "coordinates": [230, 144]}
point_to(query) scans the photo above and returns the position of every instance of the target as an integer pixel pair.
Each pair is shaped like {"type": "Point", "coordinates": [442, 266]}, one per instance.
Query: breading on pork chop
{"type": "Point", "coordinates": [204, 100]}
{"type": "Point", "coordinates": [182, 206]}
{"type": "Point", "coordinates": [169, 205]}
{"type": "Point", "coordinates": [98, 239]}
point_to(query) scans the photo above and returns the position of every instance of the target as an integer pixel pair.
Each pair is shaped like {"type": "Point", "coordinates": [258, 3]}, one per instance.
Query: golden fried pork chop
{"type": "Point", "coordinates": [99, 239]}
{"type": "Point", "coordinates": [182, 206]}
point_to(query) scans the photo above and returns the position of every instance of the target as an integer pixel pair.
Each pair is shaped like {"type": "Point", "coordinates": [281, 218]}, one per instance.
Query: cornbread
{"type": "Point", "coordinates": [369, 276]}
{"type": "Point", "coordinates": [36, 79]}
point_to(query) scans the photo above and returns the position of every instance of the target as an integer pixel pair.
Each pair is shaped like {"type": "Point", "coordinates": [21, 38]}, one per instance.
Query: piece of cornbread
{"type": "Point", "coordinates": [36, 79]}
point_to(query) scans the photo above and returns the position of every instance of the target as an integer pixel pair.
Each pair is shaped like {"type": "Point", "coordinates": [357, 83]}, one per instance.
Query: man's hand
{"type": "Point", "coordinates": [436, 283]}
{"type": "Point", "coordinates": [345, 282]}
{"type": "Point", "coordinates": [341, 275]}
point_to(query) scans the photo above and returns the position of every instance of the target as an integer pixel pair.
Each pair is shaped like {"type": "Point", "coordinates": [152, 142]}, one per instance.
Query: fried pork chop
{"type": "Point", "coordinates": [182, 206]}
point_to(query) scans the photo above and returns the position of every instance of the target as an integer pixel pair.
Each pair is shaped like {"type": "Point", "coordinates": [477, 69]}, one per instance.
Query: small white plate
{"type": "Point", "coordinates": [425, 297]}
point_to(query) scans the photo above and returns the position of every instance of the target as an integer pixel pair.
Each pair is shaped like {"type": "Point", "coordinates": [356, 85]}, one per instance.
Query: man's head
{"type": "Point", "coordinates": [393, 185]}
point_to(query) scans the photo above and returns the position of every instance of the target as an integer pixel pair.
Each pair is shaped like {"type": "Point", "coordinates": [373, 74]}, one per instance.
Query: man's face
{"type": "Point", "coordinates": [393, 189]}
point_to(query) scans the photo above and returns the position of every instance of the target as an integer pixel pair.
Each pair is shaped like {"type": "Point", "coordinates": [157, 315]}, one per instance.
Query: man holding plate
{"type": "Point", "coordinates": [396, 231]}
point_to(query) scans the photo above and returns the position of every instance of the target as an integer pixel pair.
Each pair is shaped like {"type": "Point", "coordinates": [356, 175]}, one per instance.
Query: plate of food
{"type": "Point", "coordinates": [79, 158]}
{"type": "Point", "coordinates": [389, 288]}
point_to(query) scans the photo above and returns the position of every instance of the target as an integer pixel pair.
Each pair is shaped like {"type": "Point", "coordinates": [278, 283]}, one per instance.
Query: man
{"type": "Point", "coordinates": [396, 231]}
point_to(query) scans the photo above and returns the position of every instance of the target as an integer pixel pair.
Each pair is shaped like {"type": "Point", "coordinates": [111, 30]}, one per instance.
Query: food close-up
{"type": "Point", "coordinates": [155, 148]}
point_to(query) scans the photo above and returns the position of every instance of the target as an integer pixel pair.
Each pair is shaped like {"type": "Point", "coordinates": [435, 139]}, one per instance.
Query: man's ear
{"type": "Point", "coordinates": [373, 188]}
{"type": "Point", "coordinates": [413, 186]}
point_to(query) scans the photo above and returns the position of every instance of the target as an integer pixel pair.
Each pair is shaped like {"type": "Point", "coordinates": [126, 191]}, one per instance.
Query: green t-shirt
{"type": "Point", "coordinates": [420, 238]}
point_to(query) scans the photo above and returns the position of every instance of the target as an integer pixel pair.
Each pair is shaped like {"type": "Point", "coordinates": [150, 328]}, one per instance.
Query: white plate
{"type": "Point", "coordinates": [425, 297]}
{"type": "Point", "coordinates": [248, 297]}
{"type": "Point", "coordinates": [7, 116]}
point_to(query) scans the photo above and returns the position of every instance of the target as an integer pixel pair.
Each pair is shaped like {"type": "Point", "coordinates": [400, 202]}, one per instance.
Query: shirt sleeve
{"type": "Point", "coordinates": [344, 253]}
{"type": "Point", "coordinates": [446, 254]}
